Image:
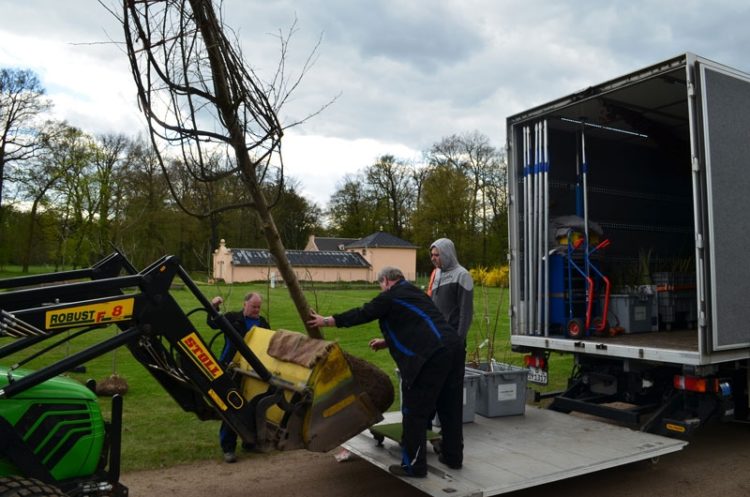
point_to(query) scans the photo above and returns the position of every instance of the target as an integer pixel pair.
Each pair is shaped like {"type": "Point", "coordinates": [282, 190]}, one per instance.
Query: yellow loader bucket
{"type": "Point", "coordinates": [323, 403]}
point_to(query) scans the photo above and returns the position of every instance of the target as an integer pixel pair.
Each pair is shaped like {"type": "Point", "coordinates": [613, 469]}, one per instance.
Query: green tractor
{"type": "Point", "coordinates": [55, 432]}
{"type": "Point", "coordinates": [54, 439]}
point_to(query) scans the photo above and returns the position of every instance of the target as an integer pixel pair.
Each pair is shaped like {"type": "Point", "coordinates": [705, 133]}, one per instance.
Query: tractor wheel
{"type": "Point", "coordinates": [575, 328]}
{"type": "Point", "coordinates": [17, 486]}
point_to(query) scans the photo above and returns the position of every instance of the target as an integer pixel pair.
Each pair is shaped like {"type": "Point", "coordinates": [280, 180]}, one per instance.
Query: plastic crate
{"type": "Point", "coordinates": [676, 296]}
{"type": "Point", "coordinates": [502, 389]}
{"type": "Point", "coordinates": [633, 312]}
{"type": "Point", "coordinates": [471, 386]}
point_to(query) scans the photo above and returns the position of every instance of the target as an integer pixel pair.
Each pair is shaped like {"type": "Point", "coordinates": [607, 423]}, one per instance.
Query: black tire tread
{"type": "Point", "coordinates": [18, 486]}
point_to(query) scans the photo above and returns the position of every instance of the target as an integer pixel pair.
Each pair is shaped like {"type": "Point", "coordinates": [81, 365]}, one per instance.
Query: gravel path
{"type": "Point", "coordinates": [715, 464]}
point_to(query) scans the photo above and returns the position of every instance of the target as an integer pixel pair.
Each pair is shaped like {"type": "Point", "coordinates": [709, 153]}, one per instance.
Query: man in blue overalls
{"type": "Point", "coordinates": [242, 321]}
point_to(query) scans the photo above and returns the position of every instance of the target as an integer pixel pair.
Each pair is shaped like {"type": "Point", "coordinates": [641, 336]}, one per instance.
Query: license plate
{"type": "Point", "coordinates": [538, 376]}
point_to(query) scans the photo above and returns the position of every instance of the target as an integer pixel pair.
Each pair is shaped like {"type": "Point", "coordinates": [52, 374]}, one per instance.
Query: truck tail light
{"type": "Point", "coordinates": [696, 384]}
{"type": "Point", "coordinates": [532, 361]}
{"type": "Point", "coordinates": [722, 387]}
{"type": "Point", "coordinates": [690, 383]}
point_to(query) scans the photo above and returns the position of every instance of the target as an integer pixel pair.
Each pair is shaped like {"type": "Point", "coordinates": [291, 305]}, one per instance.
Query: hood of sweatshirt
{"type": "Point", "coordinates": [447, 251]}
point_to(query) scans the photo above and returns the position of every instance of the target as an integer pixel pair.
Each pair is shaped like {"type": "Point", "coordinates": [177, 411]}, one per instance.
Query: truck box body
{"type": "Point", "coordinates": [666, 156]}
{"type": "Point", "coordinates": [643, 183]}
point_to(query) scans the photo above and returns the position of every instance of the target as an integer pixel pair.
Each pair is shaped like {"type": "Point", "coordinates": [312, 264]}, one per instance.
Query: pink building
{"type": "Point", "coordinates": [324, 259]}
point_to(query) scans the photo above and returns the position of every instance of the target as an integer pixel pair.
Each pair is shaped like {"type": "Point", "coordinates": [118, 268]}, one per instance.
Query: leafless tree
{"type": "Point", "coordinates": [474, 156]}
{"type": "Point", "coordinates": [201, 99]}
{"type": "Point", "coordinates": [391, 180]}
{"type": "Point", "coordinates": [22, 102]}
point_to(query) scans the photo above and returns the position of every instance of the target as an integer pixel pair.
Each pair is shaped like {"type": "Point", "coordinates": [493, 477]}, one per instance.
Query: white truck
{"type": "Point", "coordinates": [627, 244]}
{"type": "Point", "coordinates": [628, 216]}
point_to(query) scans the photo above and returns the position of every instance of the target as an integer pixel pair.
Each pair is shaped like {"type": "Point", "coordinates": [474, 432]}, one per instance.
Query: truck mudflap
{"type": "Point", "coordinates": [511, 453]}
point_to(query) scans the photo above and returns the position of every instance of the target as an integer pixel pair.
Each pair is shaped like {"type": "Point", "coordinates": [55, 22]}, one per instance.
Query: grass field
{"type": "Point", "coordinates": [157, 433]}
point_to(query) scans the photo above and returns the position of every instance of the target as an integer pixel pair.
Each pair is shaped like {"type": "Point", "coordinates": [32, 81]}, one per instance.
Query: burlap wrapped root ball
{"type": "Point", "coordinates": [113, 385]}
{"type": "Point", "coordinates": [298, 348]}
{"type": "Point", "coordinates": [373, 381]}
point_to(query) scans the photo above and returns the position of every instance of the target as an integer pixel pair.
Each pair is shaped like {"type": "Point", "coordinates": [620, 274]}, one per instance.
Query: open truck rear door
{"type": "Point", "coordinates": [721, 141]}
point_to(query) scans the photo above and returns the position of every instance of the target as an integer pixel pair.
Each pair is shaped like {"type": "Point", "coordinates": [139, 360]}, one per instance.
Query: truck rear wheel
{"type": "Point", "coordinates": [17, 486]}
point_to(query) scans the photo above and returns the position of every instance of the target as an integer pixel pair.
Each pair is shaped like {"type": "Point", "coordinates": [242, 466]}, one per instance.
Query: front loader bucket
{"type": "Point", "coordinates": [323, 405]}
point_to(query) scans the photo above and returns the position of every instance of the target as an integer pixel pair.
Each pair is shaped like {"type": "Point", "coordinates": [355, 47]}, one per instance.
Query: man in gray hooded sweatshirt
{"type": "Point", "coordinates": [451, 287]}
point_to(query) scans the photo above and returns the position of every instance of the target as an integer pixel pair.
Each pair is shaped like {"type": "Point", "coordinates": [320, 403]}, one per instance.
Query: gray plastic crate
{"type": "Point", "coordinates": [676, 296]}
{"type": "Point", "coordinates": [502, 390]}
{"type": "Point", "coordinates": [633, 312]}
{"type": "Point", "coordinates": [471, 386]}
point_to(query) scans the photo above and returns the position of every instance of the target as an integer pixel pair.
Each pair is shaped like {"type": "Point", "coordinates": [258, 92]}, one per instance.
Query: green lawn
{"type": "Point", "coordinates": [157, 433]}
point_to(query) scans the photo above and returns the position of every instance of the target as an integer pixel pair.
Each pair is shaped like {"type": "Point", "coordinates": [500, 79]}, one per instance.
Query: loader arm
{"type": "Point", "coordinates": [152, 325]}
{"type": "Point", "coordinates": [160, 335]}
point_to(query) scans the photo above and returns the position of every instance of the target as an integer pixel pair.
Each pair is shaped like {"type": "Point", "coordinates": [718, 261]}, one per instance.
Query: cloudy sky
{"type": "Point", "coordinates": [404, 73]}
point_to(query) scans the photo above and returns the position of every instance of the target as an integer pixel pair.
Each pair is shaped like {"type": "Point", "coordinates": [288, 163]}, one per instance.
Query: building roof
{"type": "Point", "coordinates": [299, 258]}
{"type": "Point", "coordinates": [330, 243]}
{"type": "Point", "coordinates": [380, 239]}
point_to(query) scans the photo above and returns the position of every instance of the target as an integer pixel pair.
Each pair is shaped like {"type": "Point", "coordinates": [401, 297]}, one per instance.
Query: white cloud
{"type": "Point", "coordinates": [321, 162]}
{"type": "Point", "coordinates": [90, 86]}
{"type": "Point", "coordinates": [408, 74]}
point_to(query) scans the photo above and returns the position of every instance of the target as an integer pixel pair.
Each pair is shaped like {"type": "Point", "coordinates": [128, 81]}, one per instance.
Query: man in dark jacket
{"type": "Point", "coordinates": [430, 357]}
{"type": "Point", "coordinates": [242, 321]}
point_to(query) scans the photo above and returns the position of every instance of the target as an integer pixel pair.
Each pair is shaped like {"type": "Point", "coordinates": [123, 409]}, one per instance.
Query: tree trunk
{"type": "Point", "coordinates": [30, 237]}
{"type": "Point", "coordinates": [2, 180]}
{"type": "Point", "coordinates": [245, 163]}
{"type": "Point", "coordinates": [276, 247]}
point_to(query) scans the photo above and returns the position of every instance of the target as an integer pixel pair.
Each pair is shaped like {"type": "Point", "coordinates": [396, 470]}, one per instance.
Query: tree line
{"type": "Point", "coordinates": [67, 197]}
{"type": "Point", "coordinates": [458, 191]}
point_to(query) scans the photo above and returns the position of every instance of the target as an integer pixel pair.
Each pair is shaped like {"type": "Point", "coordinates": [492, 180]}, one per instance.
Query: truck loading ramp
{"type": "Point", "coordinates": [515, 452]}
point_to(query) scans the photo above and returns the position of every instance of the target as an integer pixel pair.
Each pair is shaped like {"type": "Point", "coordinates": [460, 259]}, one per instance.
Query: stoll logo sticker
{"type": "Point", "coordinates": [197, 351]}
{"type": "Point", "coordinates": [106, 312]}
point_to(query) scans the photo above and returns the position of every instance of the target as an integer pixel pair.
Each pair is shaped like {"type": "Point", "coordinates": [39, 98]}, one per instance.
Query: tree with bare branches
{"type": "Point", "coordinates": [472, 155]}
{"type": "Point", "coordinates": [391, 182]}
{"type": "Point", "coordinates": [208, 109]}
{"type": "Point", "coordinates": [22, 102]}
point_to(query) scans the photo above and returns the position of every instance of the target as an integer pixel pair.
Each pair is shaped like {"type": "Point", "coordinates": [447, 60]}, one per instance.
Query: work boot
{"type": "Point", "coordinates": [398, 470]}
{"type": "Point", "coordinates": [230, 457]}
{"type": "Point", "coordinates": [452, 466]}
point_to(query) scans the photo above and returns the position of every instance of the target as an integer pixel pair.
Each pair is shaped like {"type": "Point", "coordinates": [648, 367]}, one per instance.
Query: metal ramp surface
{"type": "Point", "coordinates": [515, 452]}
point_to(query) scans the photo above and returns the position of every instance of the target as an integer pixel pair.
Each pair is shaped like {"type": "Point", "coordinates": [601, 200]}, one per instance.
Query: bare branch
{"type": "Point", "coordinates": [200, 98]}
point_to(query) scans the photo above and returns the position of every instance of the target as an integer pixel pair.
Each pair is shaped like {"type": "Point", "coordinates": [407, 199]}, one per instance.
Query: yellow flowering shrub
{"type": "Point", "coordinates": [492, 277]}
